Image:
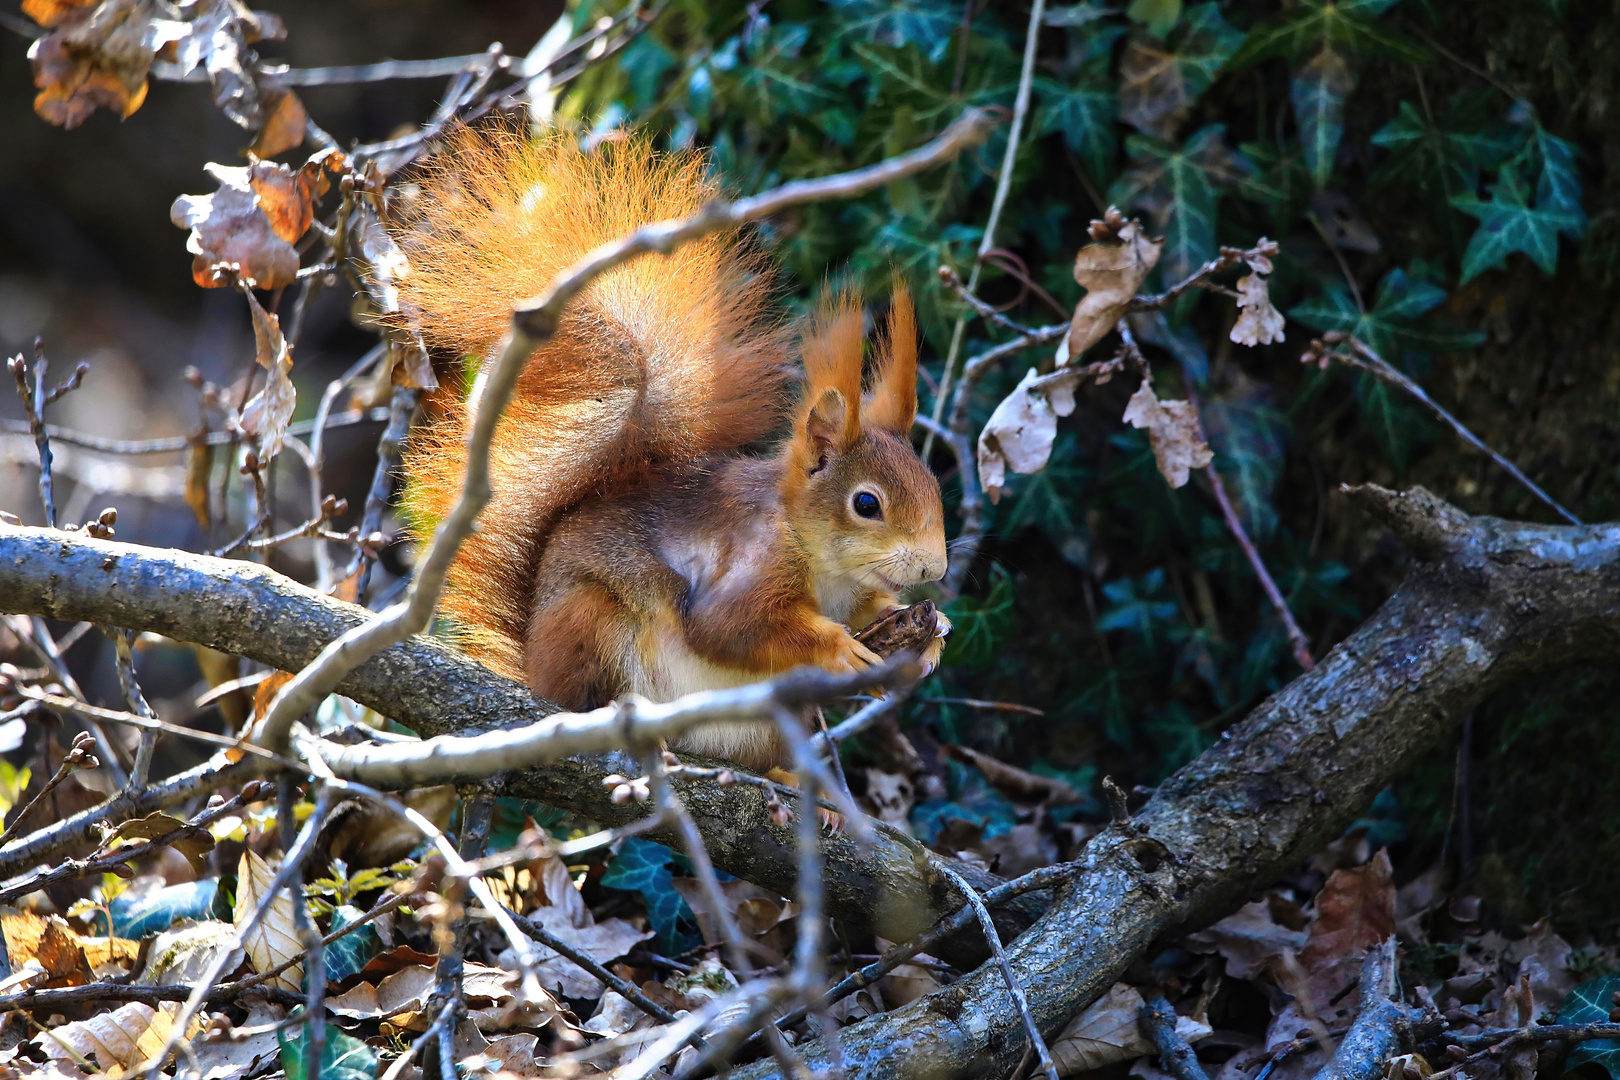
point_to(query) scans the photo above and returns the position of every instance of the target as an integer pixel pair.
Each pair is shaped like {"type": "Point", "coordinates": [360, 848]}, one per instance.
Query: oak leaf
{"type": "Point", "coordinates": [1259, 322]}
{"type": "Point", "coordinates": [95, 58]}
{"type": "Point", "coordinates": [229, 227]}
{"type": "Point", "coordinates": [1172, 428]}
{"type": "Point", "coordinates": [1250, 939]}
{"type": "Point", "coordinates": [194, 842]}
{"type": "Point", "coordinates": [50, 942]}
{"type": "Point", "coordinates": [1020, 433]}
{"type": "Point", "coordinates": [1108, 1031]}
{"type": "Point", "coordinates": [275, 939]}
{"type": "Point", "coordinates": [1112, 270]}
{"type": "Point", "coordinates": [285, 124]}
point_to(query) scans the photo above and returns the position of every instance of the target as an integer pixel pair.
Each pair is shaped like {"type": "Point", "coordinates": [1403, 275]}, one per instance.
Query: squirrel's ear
{"type": "Point", "coordinates": [893, 403]}
{"type": "Point", "coordinates": [825, 423]}
{"type": "Point", "coordinates": [832, 368]}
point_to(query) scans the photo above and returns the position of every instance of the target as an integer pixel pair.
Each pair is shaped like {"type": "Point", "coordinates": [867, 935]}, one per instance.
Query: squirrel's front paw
{"type": "Point", "coordinates": [844, 653]}
{"type": "Point", "coordinates": [936, 648]}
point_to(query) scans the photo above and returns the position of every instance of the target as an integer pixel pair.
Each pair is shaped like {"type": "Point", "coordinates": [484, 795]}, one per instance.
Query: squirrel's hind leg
{"type": "Point", "coordinates": [577, 638]}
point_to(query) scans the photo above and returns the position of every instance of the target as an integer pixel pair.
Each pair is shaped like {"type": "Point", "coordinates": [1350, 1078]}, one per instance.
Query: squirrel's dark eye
{"type": "Point", "coordinates": [866, 504]}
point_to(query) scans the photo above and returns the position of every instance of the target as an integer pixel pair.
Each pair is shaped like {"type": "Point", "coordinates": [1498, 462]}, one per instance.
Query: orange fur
{"type": "Point", "coordinates": [893, 402]}
{"type": "Point", "coordinates": [666, 358]}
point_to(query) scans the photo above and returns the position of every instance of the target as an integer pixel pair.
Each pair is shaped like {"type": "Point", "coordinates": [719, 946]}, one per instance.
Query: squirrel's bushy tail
{"type": "Point", "coordinates": [666, 358]}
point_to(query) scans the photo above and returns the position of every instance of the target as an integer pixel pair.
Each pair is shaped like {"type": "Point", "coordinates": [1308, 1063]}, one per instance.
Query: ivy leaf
{"type": "Point", "coordinates": [1590, 1003]}
{"type": "Point", "coordinates": [1048, 500]}
{"type": "Point", "coordinates": [1159, 84]}
{"type": "Point", "coordinates": [1178, 188]}
{"type": "Point", "coordinates": [1319, 90]}
{"type": "Point", "coordinates": [343, 1057]}
{"type": "Point", "coordinates": [970, 798]}
{"type": "Point", "coordinates": [1394, 323]}
{"type": "Point", "coordinates": [1247, 433]}
{"type": "Point", "coordinates": [1443, 159]}
{"type": "Point", "coordinates": [1509, 223]}
{"type": "Point", "coordinates": [927, 25]}
{"type": "Point", "coordinates": [1318, 24]}
{"type": "Point", "coordinates": [980, 623]}
{"type": "Point", "coordinates": [157, 911]}
{"type": "Point", "coordinates": [643, 866]}
{"type": "Point", "coordinates": [1085, 114]}
{"type": "Point", "coordinates": [1159, 16]}
{"type": "Point", "coordinates": [1560, 185]}
{"type": "Point", "coordinates": [1134, 604]}
{"type": "Point", "coordinates": [354, 950]}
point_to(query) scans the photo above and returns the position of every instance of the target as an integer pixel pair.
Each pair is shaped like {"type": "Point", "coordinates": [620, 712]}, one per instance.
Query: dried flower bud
{"type": "Point", "coordinates": [122, 870]}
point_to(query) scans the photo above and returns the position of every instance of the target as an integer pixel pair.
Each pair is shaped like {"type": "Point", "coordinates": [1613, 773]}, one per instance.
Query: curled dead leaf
{"type": "Point", "coordinates": [1108, 1032]}
{"type": "Point", "coordinates": [51, 943]}
{"type": "Point", "coordinates": [285, 124]}
{"type": "Point", "coordinates": [1112, 270]}
{"type": "Point", "coordinates": [1172, 428]}
{"type": "Point", "coordinates": [228, 227]}
{"type": "Point", "coordinates": [1259, 323]}
{"type": "Point", "coordinates": [267, 412]}
{"type": "Point", "coordinates": [1019, 434]}
{"type": "Point", "coordinates": [193, 842]}
{"type": "Point", "coordinates": [382, 263]}
{"type": "Point", "coordinates": [96, 58]}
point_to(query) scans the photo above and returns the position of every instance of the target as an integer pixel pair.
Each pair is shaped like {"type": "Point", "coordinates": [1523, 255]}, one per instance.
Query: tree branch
{"type": "Point", "coordinates": [1486, 602]}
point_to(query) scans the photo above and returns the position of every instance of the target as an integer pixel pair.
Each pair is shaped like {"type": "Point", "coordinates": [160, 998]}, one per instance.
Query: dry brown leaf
{"type": "Point", "coordinates": [49, 941]}
{"type": "Point", "coordinates": [194, 843]}
{"type": "Point", "coordinates": [267, 412]}
{"type": "Point", "coordinates": [284, 125]}
{"type": "Point", "coordinates": [1543, 959]}
{"type": "Point", "coordinates": [1108, 1032]}
{"type": "Point", "coordinates": [53, 13]}
{"type": "Point", "coordinates": [1172, 428]}
{"type": "Point", "coordinates": [231, 228]}
{"type": "Point", "coordinates": [199, 470]}
{"type": "Point", "coordinates": [108, 956]}
{"type": "Point", "coordinates": [401, 997]}
{"type": "Point", "coordinates": [889, 797]}
{"type": "Point", "coordinates": [514, 1053]}
{"type": "Point", "coordinates": [603, 942]}
{"type": "Point", "coordinates": [1249, 939]}
{"type": "Point", "coordinates": [117, 1040]}
{"type": "Point", "coordinates": [96, 58]}
{"type": "Point", "coordinates": [1111, 271]}
{"type": "Point", "coordinates": [219, 41]}
{"type": "Point", "coordinates": [1019, 434]}
{"type": "Point", "coordinates": [1153, 93]}
{"type": "Point", "coordinates": [1354, 911]}
{"type": "Point", "coordinates": [411, 366]}
{"type": "Point", "coordinates": [755, 910]}
{"type": "Point", "coordinates": [275, 939]}
{"type": "Point", "coordinates": [221, 1058]}
{"type": "Point", "coordinates": [1259, 323]}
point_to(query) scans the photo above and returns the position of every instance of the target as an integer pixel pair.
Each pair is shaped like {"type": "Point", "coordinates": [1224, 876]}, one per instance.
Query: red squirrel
{"type": "Point", "coordinates": [637, 542]}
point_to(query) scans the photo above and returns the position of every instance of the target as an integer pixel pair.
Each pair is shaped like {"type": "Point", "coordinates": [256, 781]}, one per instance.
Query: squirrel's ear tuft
{"type": "Point", "coordinates": [832, 369]}
{"type": "Point", "coordinates": [824, 424]}
{"type": "Point", "coordinates": [893, 402]}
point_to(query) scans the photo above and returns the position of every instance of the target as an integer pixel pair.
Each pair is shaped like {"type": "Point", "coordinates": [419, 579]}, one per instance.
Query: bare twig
{"type": "Point", "coordinates": [31, 389]}
{"type": "Point", "coordinates": [77, 758]}
{"type": "Point", "coordinates": [181, 442]}
{"type": "Point", "coordinates": [37, 636]}
{"type": "Point", "coordinates": [401, 407]}
{"type": "Point", "coordinates": [629, 723]}
{"type": "Point", "coordinates": [1198, 279]}
{"type": "Point", "coordinates": [147, 723]}
{"type": "Point", "coordinates": [1234, 524]}
{"type": "Point", "coordinates": [124, 655]}
{"type": "Point", "coordinates": [1014, 985]}
{"type": "Point", "coordinates": [324, 572]}
{"type": "Point", "coordinates": [53, 999]}
{"type": "Point", "coordinates": [1158, 1022]}
{"type": "Point", "coordinates": [1362, 356]}
{"type": "Point", "coordinates": [1382, 1025]}
{"type": "Point", "coordinates": [442, 1022]}
{"type": "Point", "coordinates": [622, 987]}
{"type": "Point", "coordinates": [533, 322]}
{"type": "Point", "coordinates": [1015, 132]}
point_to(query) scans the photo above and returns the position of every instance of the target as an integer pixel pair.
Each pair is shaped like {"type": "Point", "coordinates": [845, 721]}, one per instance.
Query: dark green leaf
{"type": "Point", "coordinates": [1159, 16]}
{"type": "Point", "coordinates": [1137, 605]}
{"type": "Point", "coordinates": [1178, 187]}
{"type": "Point", "coordinates": [1247, 434]}
{"type": "Point", "coordinates": [343, 1057]}
{"type": "Point", "coordinates": [1394, 324]}
{"type": "Point", "coordinates": [1085, 114]}
{"type": "Point", "coordinates": [1319, 90]}
{"type": "Point", "coordinates": [1160, 83]}
{"type": "Point", "coordinates": [1508, 223]}
{"type": "Point", "coordinates": [1591, 1003]}
{"type": "Point", "coordinates": [351, 952]}
{"type": "Point", "coordinates": [1316, 24]}
{"type": "Point", "coordinates": [980, 623]}
{"type": "Point", "coordinates": [643, 866]}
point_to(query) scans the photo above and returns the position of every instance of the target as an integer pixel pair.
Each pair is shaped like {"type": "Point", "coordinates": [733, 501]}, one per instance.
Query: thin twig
{"type": "Point", "coordinates": [1363, 357]}
{"type": "Point", "coordinates": [397, 1068]}
{"type": "Point", "coordinates": [1158, 1022]}
{"type": "Point", "coordinates": [1234, 524]}
{"type": "Point", "coordinates": [401, 407]}
{"type": "Point", "coordinates": [1015, 132]}
{"type": "Point", "coordinates": [124, 655]}
{"type": "Point", "coordinates": [53, 999]}
{"type": "Point", "coordinates": [77, 758]}
{"type": "Point", "coordinates": [324, 573]}
{"type": "Point", "coordinates": [622, 987]}
{"type": "Point", "coordinates": [179, 443]}
{"type": "Point", "coordinates": [1021, 999]}
{"type": "Point", "coordinates": [146, 723]}
{"type": "Point", "coordinates": [534, 321]}
{"type": "Point", "coordinates": [33, 632]}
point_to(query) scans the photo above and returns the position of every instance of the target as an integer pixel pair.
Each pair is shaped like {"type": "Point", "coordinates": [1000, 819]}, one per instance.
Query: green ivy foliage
{"type": "Point", "coordinates": [1126, 610]}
